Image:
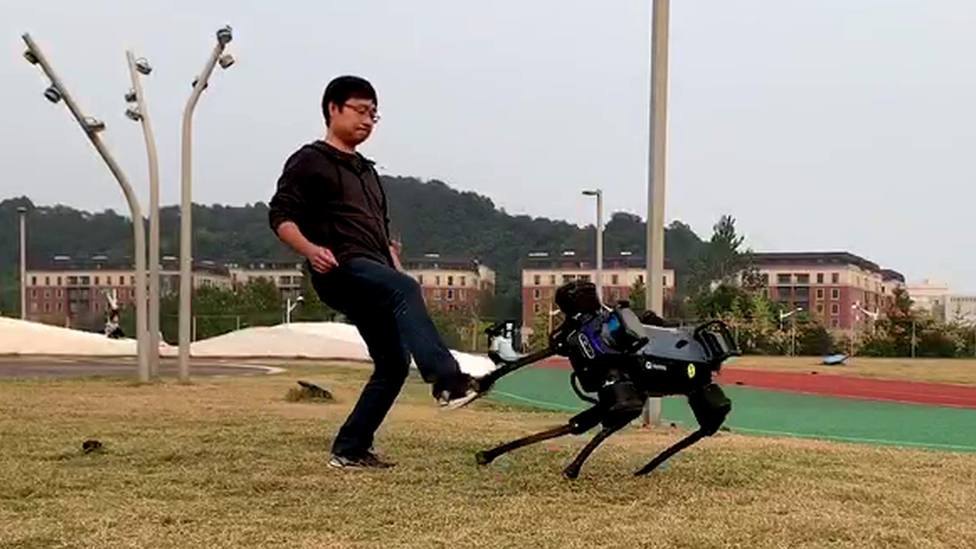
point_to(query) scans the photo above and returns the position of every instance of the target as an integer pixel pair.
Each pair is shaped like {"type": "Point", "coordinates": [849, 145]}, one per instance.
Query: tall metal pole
{"type": "Point", "coordinates": [598, 193]}
{"type": "Point", "coordinates": [22, 213]}
{"type": "Point", "coordinates": [142, 115]}
{"type": "Point", "coordinates": [91, 128]}
{"type": "Point", "coordinates": [599, 244]}
{"type": "Point", "coordinates": [186, 204]}
{"type": "Point", "coordinates": [656, 173]}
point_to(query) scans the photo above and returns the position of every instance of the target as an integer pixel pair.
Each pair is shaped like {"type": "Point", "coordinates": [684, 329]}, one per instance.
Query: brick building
{"type": "Point", "coordinates": [830, 286]}
{"type": "Point", "coordinates": [287, 276]}
{"type": "Point", "coordinates": [543, 273]}
{"type": "Point", "coordinates": [452, 284]}
{"type": "Point", "coordinates": [69, 292]}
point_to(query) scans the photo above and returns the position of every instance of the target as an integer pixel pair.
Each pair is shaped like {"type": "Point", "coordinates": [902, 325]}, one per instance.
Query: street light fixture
{"type": "Point", "coordinates": [92, 127]}
{"type": "Point", "coordinates": [783, 316]}
{"type": "Point", "coordinates": [290, 306]}
{"type": "Point", "coordinates": [224, 37]}
{"type": "Point", "coordinates": [598, 193]}
{"type": "Point", "coordinates": [138, 112]}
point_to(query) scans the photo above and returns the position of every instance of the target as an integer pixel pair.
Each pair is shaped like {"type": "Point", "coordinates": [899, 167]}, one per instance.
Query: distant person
{"type": "Point", "coordinates": [331, 208]}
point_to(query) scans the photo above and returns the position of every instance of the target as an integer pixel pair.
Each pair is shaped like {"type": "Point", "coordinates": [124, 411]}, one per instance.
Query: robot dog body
{"type": "Point", "coordinates": [617, 363]}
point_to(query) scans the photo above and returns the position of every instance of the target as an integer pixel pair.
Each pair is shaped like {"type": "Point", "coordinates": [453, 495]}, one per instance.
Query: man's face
{"type": "Point", "coordinates": [353, 121]}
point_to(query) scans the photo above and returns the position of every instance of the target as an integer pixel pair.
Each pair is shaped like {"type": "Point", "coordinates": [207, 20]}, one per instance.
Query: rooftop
{"type": "Point", "coordinates": [824, 258]}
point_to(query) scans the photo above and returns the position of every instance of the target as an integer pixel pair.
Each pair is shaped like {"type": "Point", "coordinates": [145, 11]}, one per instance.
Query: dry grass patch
{"type": "Point", "coordinates": [231, 463]}
{"type": "Point", "coordinates": [957, 370]}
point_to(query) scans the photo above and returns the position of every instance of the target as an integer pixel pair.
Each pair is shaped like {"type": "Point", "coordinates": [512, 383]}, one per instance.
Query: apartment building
{"type": "Point", "coordinates": [451, 284]}
{"type": "Point", "coordinates": [835, 287]}
{"type": "Point", "coordinates": [67, 291]}
{"type": "Point", "coordinates": [543, 273]}
{"type": "Point", "coordinates": [286, 276]}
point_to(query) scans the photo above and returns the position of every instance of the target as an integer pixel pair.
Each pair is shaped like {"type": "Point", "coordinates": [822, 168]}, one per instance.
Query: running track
{"type": "Point", "coordinates": [913, 392]}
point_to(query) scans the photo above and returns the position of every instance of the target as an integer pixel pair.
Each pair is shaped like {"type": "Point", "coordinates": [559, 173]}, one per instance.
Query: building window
{"type": "Point", "coordinates": [820, 308]}
{"type": "Point", "coordinates": [615, 280]}
{"type": "Point", "coordinates": [536, 308]}
{"type": "Point", "coordinates": [834, 309]}
{"type": "Point", "coordinates": [437, 295]}
{"type": "Point", "coordinates": [664, 281]}
{"type": "Point", "coordinates": [820, 278]}
{"type": "Point", "coordinates": [59, 281]}
{"type": "Point", "coordinates": [47, 294]}
{"type": "Point", "coordinates": [820, 293]}
{"type": "Point", "coordinates": [132, 280]}
{"type": "Point", "coordinates": [437, 280]}
{"type": "Point", "coordinates": [584, 278]}
{"type": "Point", "coordinates": [835, 278]}
{"type": "Point", "coordinates": [33, 294]}
{"type": "Point", "coordinates": [835, 293]}
{"type": "Point", "coordinates": [47, 307]}
{"type": "Point", "coordinates": [784, 279]}
{"type": "Point", "coordinates": [97, 282]}
{"type": "Point", "coordinates": [60, 293]}
{"type": "Point", "coordinates": [640, 279]}
{"type": "Point", "coordinates": [536, 294]}
{"type": "Point", "coordinates": [537, 279]}
{"type": "Point", "coordinates": [450, 281]}
{"type": "Point", "coordinates": [802, 278]}
{"type": "Point", "coordinates": [47, 281]}
{"type": "Point", "coordinates": [552, 280]}
{"type": "Point", "coordinates": [33, 281]}
{"type": "Point", "coordinates": [568, 278]}
{"type": "Point", "coordinates": [60, 306]}
{"type": "Point", "coordinates": [86, 280]}
{"type": "Point", "coordinates": [463, 280]}
{"type": "Point", "coordinates": [835, 323]}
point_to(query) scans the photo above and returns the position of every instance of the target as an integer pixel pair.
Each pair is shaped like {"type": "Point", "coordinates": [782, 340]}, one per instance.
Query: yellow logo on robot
{"type": "Point", "coordinates": [691, 370]}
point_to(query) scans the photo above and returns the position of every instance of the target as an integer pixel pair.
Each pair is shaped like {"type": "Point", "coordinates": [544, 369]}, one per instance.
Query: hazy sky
{"type": "Point", "coordinates": [820, 125]}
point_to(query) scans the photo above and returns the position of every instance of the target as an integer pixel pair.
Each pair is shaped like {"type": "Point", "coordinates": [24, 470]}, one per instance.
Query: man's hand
{"type": "Point", "coordinates": [321, 259]}
{"type": "Point", "coordinates": [395, 254]}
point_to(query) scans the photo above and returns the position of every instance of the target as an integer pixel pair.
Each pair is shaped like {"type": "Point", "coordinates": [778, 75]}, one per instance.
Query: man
{"type": "Point", "coordinates": [331, 208]}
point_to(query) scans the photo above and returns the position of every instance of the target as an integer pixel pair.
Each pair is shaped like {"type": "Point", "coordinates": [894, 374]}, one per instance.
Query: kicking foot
{"type": "Point", "coordinates": [460, 392]}
{"type": "Point", "coordinates": [368, 460]}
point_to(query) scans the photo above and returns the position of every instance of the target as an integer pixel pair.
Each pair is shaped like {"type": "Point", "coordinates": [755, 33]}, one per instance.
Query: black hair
{"type": "Point", "coordinates": [344, 88]}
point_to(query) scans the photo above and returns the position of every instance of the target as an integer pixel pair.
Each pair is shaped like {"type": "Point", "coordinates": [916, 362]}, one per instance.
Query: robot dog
{"type": "Point", "coordinates": [617, 362]}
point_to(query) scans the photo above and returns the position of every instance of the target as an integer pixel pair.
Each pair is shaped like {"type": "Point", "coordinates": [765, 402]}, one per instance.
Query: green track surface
{"type": "Point", "coordinates": [780, 414]}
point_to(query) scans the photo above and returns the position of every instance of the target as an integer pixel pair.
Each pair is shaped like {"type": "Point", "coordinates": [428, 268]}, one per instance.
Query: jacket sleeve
{"type": "Point", "coordinates": [289, 200]}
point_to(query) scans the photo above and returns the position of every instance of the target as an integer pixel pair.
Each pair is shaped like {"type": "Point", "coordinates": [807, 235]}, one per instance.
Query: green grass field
{"type": "Point", "coordinates": [231, 463]}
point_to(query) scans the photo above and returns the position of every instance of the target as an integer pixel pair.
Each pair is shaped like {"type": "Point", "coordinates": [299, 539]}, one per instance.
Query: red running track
{"type": "Point", "coordinates": [914, 392]}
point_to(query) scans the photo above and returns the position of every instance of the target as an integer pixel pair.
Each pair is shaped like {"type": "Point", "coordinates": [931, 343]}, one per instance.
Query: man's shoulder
{"type": "Point", "coordinates": [306, 157]}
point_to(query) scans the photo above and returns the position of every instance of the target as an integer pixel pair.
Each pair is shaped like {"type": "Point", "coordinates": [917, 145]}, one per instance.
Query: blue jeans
{"type": "Point", "coordinates": [387, 307]}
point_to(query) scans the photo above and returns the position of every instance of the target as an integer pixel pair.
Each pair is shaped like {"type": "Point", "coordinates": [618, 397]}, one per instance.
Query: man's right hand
{"type": "Point", "coordinates": [321, 259]}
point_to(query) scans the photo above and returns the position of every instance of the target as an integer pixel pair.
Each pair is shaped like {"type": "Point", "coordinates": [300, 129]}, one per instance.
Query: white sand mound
{"type": "Point", "coordinates": [19, 337]}
{"type": "Point", "coordinates": [314, 340]}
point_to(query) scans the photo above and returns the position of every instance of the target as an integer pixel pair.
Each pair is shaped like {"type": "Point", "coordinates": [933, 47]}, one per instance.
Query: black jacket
{"type": "Point", "coordinates": [336, 200]}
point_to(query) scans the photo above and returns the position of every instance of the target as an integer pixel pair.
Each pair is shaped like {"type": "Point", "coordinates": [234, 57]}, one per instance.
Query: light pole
{"type": "Point", "coordinates": [657, 153]}
{"type": "Point", "coordinates": [598, 193]}
{"type": "Point", "coordinates": [140, 113]}
{"type": "Point", "coordinates": [873, 315]}
{"type": "Point", "coordinates": [22, 214]}
{"type": "Point", "coordinates": [92, 127]}
{"type": "Point", "coordinates": [783, 316]}
{"type": "Point", "coordinates": [290, 306]}
{"type": "Point", "coordinates": [224, 36]}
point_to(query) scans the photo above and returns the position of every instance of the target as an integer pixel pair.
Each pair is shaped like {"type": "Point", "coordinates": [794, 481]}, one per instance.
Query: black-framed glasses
{"type": "Point", "coordinates": [365, 110]}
